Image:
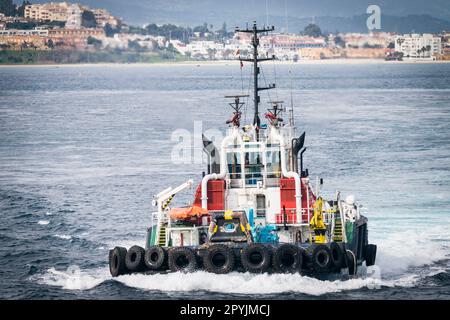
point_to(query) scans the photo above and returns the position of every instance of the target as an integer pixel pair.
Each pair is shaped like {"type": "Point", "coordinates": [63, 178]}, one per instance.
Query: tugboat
{"type": "Point", "coordinates": [255, 209]}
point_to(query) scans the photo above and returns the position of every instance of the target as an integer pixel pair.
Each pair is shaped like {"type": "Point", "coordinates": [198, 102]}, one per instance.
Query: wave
{"type": "Point", "coordinates": [72, 279]}
{"type": "Point", "coordinates": [63, 236]}
{"type": "Point", "coordinates": [412, 248]}
{"type": "Point", "coordinates": [236, 283]}
{"type": "Point", "coordinates": [43, 222]}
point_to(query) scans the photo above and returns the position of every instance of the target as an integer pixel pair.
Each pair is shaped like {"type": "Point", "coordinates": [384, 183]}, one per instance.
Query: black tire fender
{"type": "Point", "coordinates": [182, 259]}
{"type": "Point", "coordinates": [288, 258]}
{"type": "Point", "coordinates": [351, 263]}
{"type": "Point", "coordinates": [155, 258]}
{"type": "Point", "coordinates": [134, 260]}
{"type": "Point", "coordinates": [219, 259]}
{"type": "Point", "coordinates": [117, 265]}
{"type": "Point", "coordinates": [337, 255]}
{"type": "Point", "coordinates": [321, 258]}
{"type": "Point", "coordinates": [370, 254]}
{"type": "Point", "coordinates": [256, 258]}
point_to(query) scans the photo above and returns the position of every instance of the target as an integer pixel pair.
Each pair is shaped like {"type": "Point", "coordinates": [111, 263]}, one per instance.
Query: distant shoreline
{"type": "Point", "coordinates": [230, 62]}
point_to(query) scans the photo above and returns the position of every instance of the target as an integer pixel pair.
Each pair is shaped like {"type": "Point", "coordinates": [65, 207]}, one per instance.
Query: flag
{"type": "Point", "coordinates": [242, 64]}
{"type": "Point", "coordinates": [238, 52]}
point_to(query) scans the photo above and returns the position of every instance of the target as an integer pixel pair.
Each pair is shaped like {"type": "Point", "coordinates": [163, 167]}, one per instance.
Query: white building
{"type": "Point", "coordinates": [418, 46]}
{"type": "Point", "coordinates": [52, 11]}
{"type": "Point", "coordinates": [17, 32]}
{"type": "Point", "coordinates": [205, 49]}
{"type": "Point", "coordinates": [74, 17]}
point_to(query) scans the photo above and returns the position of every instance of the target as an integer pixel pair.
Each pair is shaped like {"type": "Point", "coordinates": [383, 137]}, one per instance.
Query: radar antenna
{"type": "Point", "coordinates": [255, 43]}
{"type": "Point", "coordinates": [274, 113]}
{"type": "Point", "coordinates": [237, 106]}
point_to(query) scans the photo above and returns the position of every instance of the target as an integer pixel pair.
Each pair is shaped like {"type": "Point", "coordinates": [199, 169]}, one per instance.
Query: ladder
{"type": "Point", "coordinates": [162, 235]}
{"type": "Point", "coordinates": [337, 235]}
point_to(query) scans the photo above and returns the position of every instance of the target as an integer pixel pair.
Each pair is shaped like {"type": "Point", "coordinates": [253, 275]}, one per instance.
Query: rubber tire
{"type": "Point", "coordinates": [370, 254]}
{"type": "Point", "coordinates": [134, 260]}
{"type": "Point", "coordinates": [287, 249]}
{"type": "Point", "coordinates": [343, 247]}
{"type": "Point", "coordinates": [117, 265]}
{"type": "Point", "coordinates": [351, 265]}
{"type": "Point", "coordinates": [161, 259]}
{"type": "Point", "coordinates": [178, 252]}
{"type": "Point", "coordinates": [337, 255]}
{"type": "Point", "coordinates": [318, 251]}
{"type": "Point", "coordinates": [260, 267]}
{"type": "Point", "coordinates": [224, 250]}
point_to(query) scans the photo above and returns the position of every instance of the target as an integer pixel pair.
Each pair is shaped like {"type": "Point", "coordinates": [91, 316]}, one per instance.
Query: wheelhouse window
{"type": "Point", "coordinates": [273, 165]}
{"type": "Point", "coordinates": [234, 165]}
{"type": "Point", "coordinates": [253, 167]}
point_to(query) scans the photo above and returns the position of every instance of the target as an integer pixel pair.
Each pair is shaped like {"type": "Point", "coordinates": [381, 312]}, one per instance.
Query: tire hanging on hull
{"type": "Point", "coordinates": [351, 263]}
{"type": "Point", "coordinates": [255, 258]}
{"type": "Point", "coordinates": [370, 254]}
{"type": "Point", "coordinates": [337, 256]}
{"type": "Point", "coordinates": [117, 265]}
{"type": "Point", "coordinates": [134, 259]}
{"type": "Point", "coordinates": [288, 258]}
{"type": "Point", "coordinates": [155, 258]}
{"type": "Point", "coordinates": [219, 259]}
{"type": "Point", "coordinates": [321, 258]}
{"type": "Point", "coordinates": [182, 259]}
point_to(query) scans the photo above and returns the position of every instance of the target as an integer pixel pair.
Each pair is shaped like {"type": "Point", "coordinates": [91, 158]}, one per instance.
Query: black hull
{"type": "Point", "coordinates": [354, 256]}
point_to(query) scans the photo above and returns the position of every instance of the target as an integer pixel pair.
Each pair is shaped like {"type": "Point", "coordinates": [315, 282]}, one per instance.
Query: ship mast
{"type": "Point", "coordinates": [255, 43]}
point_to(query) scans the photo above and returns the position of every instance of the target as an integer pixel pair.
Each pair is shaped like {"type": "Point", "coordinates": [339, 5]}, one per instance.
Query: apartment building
{"type": "Point", "coordinates": [418, 46]}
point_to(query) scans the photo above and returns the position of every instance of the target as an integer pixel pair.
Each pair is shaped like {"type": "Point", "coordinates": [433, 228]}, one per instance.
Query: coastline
{"type": "Point", "coordinates": [229, 62]}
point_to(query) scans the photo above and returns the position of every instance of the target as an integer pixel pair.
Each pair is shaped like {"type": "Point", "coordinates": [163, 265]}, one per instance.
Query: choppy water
{"type": "Point", "coordinates": [83, 149]}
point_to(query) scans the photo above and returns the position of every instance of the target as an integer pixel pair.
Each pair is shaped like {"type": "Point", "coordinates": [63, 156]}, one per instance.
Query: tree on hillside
{"type": "Point", "coordinates": [312, 30]}
{"type": "Point", "coordinates": [168, 30]}
{"type": "Point", "coordinates": [110, 31]}
{"type": "Point", "coordinates": [7, 8]}
{"type": "Point", "coordinates": [338, 41]}
{"type": "Point", "coordinates": [202, 29]}
{"type": "Point", "coordinates": [88, 19]}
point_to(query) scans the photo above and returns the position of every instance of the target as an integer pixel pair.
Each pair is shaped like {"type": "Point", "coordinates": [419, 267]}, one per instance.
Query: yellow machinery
{"type": "Point", "coordinates": [317, 224]}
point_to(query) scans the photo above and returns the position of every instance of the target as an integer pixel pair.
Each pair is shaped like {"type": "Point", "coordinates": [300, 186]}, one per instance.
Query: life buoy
{"type": "Point", "coordinates": [117, 265]}
{"type": "Point", "coordinates": [370, 254]}
{"type": "Point", "coordinates": [182, 259]}
{"type": "Point", "coordinates": [134, 259]}
{"type": "Point", "coordinates": [155, 258]}
{"type": "Point", "coordinates": [321, 258]}
{"type": "Point", "coordinates": [219, 259]}
{"type": "Point", "coordinates": [288, 258]}
{"type": "Point", "coordinates": [337, 255]}
{"type": "Point", "coordinates": [255, 258]}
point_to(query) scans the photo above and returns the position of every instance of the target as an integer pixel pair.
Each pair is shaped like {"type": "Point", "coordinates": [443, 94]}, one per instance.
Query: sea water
{"type": "Point", "coordinates": [84, 148]}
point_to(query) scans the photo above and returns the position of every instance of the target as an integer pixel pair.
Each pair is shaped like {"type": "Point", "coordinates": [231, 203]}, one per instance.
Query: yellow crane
{"type": "Point", "coordinates": [317, 224]}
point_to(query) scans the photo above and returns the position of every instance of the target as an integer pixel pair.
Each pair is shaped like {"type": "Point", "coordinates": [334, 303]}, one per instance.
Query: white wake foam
{"type": "Point", "coordinates": [43, 222]}
{"type": "Point", "coordinates": [237, 283]}
{"type": "Point", "coordinates": [245, 283]}
{"type": "Point", "coordinates": [414, 248]}
{"type": "Point", "coordinates": [73, 278]}
{"type": "Point", "coordinates": [63, 236]}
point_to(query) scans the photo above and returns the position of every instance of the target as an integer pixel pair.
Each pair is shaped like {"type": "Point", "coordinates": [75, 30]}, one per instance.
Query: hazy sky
{"type": "Point", "coordinates": [217, 11]}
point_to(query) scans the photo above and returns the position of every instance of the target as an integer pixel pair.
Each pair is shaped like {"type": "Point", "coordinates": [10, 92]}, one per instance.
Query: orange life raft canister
{"type": "Point", "coordinates": [187, 212]}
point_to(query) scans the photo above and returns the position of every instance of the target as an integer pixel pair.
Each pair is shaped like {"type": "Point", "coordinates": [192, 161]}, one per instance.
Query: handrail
{"type": "Point", "coordinates": [341, 212]}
